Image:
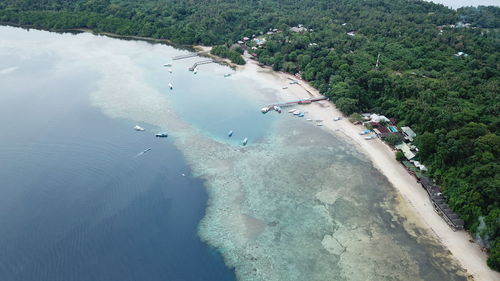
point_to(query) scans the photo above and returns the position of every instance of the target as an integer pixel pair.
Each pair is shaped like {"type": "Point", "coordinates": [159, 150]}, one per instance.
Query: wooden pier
{"type": "Point", "coordinates": [191, 55]}
{"type": "Point", "coordinates": [301, 101]}
{"type": "Point", "coordinates": [200, 63]}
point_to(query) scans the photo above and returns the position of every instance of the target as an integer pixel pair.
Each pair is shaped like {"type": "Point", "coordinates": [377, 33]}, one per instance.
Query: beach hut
{"type": "Point", "coordinates": [406, 150]}
{"type": "Point", "coordinates": [408, 133]}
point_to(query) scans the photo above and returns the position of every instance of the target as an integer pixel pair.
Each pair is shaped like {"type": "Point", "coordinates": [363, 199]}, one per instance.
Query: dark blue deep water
{"type": "Point", "coordinates": [76, 203]}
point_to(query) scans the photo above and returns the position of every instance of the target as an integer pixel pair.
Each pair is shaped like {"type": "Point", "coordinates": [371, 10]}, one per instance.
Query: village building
{"type": "Point", "coordinates": [408, 133]}
{"type": "Point", "coordinates": [406, 150]}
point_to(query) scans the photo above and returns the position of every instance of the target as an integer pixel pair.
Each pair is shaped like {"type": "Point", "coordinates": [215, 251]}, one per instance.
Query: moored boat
{"type": "Point", "coordinates": [292, 110]}
{"type": "Point", "coordinates": [170, 86]}
{"type": "Point", "coordinates": [161, 135]}
{"type": "Point", "coordinates": [230, 134]}
{"type": "Point", "coordinates": [245, 141]}
{"type": "Point", "coordinates": [167, 64]}
{"type": "Point", "coordinates": [227, 74]}
{"type": "Point", "coordinates": [138, 128]}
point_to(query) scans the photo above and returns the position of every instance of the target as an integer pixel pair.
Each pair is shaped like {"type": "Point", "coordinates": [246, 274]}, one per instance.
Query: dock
{"type": "Point", "coordinates": [200, 63]}
{"type": "Point", "coordinates": [301, 101]}
{"type": "Point", "coordinates": [191, 55]}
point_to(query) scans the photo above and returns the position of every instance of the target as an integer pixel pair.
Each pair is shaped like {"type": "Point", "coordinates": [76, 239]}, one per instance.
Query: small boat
{"type": "Point", "coordinates": [245, 141]}
{"type": "Point", "coordinates": [284, 87]}
{"type": "Point", "coordinates": [337, 118]}
{"type": "Point", "coordinates": [319, 120]}
{"type": "Point", "coordinates": [138, 128]}
{"type": "Point", "coordinates": [167, 65]}
{"type": "Point", "coordinates": [309, 119]}
{"type": "Point", "coordinates": [227, 74]}
{"type": "Point", "coordinates": [161, 135]}
{"type": "Point", "coordinates": [364, 132]}
{"type": "Point", "coordinates": [170, 86]}
{"type": "Point", "coordinates": [170, 70]}
{"type": "Point", "coordinates": [319, 124]}
{"type": "Point", "coordinates": [265, 109]}
{"type": "Point", "coordinates": [195, 70]}
{"type": "Point", "coordinates": [292, 110]}
{"type": "Point", "coordinates": [294, 82]}
{"type": "Point", "coordinates": [277, 108]}
{"type": "Point", "coordinates": [301, 114]}
{"type": "Point", "coordinates": [230, 134]}
{"type": "Point", "coordinates": [370, 137]}
{"type": "Point", "coordinates": [297, 113]}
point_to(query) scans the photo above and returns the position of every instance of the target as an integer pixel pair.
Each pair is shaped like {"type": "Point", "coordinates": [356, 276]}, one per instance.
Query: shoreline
{"type": "Point", "coordinates": [468, 255]}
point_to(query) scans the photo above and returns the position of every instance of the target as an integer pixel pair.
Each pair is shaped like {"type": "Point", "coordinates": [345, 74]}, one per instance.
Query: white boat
{"type": "Point", "coordinates": [167, 64]}
{"type": "Point", "coordinates": [227, 74]}
{"type": "Point", "coordinates": [245, 141]}
{"type": "Point", "coordinates": [138, 128]}
{"type": "Point", "coordinates": [337, 118]}
{"type": "Point", "coordinates": [319, 124]}
{"type": "Point", "coordinates": [284, 87]}
{"type": "Point", "coordinates": [309, 119]}
{"type": "Point", "coordinates": [297, 113]}
{"type": "Point", "coordinates": [195, 70]}
{"type": "Point", "coordinates": [170, 86]}
{"type": "Point", "coordinates": [292, 110]}
{"type": "Point", "coordinates": [230, 134]}
{"type": "Point", "coordinates": [170, 70]}
{"type": "Point", "coordinates": [370, 137]}
{"type": "Point", "coordinates": [265, 109]}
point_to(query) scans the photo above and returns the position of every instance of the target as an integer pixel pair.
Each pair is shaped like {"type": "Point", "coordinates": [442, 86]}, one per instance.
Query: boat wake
{"type": "Point", "coordinates": [142, 152]}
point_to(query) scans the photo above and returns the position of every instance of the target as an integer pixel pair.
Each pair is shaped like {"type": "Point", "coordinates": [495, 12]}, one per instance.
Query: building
{"type": "Point", "coordinates": [406, 150]}
{"type": "Point", "coordinates": [408, 133]}
{"type": "Point", "coordinates": [377, 118]}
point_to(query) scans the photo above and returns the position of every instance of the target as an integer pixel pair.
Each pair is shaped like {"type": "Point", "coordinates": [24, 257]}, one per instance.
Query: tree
{"type": "Point", "coordinates": [393, 139]}
{"type": "Point", "coordinates": [346, 105]}
{"type": "Point", "coordinates": [400, 156]}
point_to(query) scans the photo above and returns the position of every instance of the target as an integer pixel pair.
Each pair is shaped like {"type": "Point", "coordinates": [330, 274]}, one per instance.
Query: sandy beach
{"type": "Point", "coordinates": [418, 208]}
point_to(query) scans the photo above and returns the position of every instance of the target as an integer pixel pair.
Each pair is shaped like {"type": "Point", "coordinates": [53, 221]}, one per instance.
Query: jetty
{"type": "Point", "coordinates": [190, 55]}
{"type": "Point", "coordinates": [292, 103]}
{"type": "Point", "coordinates": [192, 68]}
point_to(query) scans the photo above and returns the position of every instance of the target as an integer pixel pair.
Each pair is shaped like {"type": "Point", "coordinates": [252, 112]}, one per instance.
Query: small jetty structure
{"type": "Point", "coordinates": [190, 55]}
{"type": "Point", "coordinates": [292, 103]}
{"type": "Point", "coordinates": [193, 68]}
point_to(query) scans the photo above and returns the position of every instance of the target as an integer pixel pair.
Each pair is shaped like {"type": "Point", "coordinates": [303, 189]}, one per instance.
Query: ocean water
{"type": "Point", "coordinates": [297, 203]}
{"type": "Point", "coordinates": [76, 200]}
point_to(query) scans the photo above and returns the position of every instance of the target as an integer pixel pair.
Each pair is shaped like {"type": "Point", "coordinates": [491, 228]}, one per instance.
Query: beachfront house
{"type": "Point", "coordinates": [408, 133]}
{"type": "Point", "coordinates": [406, 150]}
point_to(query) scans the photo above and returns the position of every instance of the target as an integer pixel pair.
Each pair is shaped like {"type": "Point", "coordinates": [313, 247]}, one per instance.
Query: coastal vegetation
{"type": "Point", "coordinates": [228, 53]}
{"type": "Point", "coordinates": [435, 69]}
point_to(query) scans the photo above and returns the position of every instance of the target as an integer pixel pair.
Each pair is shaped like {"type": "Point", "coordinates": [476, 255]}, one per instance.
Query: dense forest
{"type": "Point", "coordinates": [438, 71]}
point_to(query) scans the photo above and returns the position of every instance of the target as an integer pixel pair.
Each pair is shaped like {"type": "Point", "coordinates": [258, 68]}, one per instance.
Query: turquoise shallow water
{"type": "Point", "coordinates": [297, 203]}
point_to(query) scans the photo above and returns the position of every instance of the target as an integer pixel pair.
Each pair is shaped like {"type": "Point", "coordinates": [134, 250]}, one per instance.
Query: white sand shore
{"type": "Point", "coordinates": [469, 255]}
